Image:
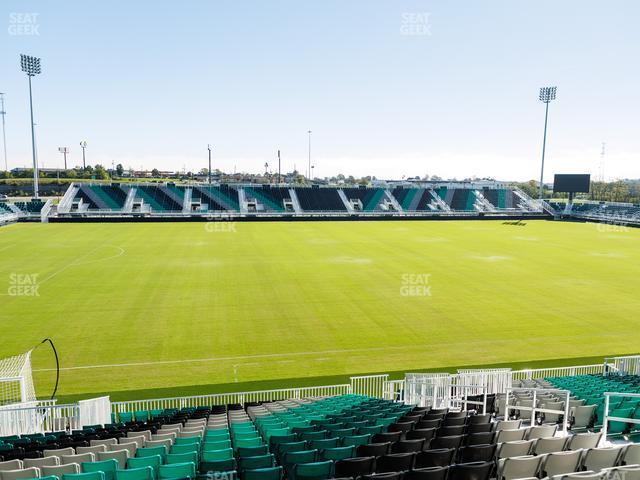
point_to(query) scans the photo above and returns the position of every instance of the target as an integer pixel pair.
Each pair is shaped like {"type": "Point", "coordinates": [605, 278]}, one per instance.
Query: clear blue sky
{"type": "Point", "coordinates": [389, 88]}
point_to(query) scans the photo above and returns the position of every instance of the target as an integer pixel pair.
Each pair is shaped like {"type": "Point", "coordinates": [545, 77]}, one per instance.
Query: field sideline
{"type": "Point", "coordinates": [183, 308]}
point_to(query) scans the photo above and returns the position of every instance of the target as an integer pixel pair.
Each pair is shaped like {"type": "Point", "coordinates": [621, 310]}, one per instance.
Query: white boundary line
{"type": "Point", "coordinates": [213, 359]}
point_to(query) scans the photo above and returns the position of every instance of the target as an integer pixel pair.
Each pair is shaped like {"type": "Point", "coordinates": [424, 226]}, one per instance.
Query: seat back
{"type": "Point", "coordinates": [517, 448]}
{"type": "Point", "coordinates": [41, 462]}
{"type": "Point", "coordinates": [94, 449]}
{"type": "Point", "coordinates": [470, 471]}
{"type": "Point", "coordinates": [119, 456]}
{"type": "Point", "coordinates": [584, 441]}
{"type": "Point", "coordinates": [548, 445]}
{"type": "Point", "coordinates": [83, 457]}
{"type": "Point", "coordinates": [519, 467]}
{"type": "Point", "coordinates": [31, 472]}
{"type": "Point", "coordinates": [59, 470]}
{"type": "Point", "coordinates": [558, 463]}
{"type": "Point", "coordinates": [108, 467]}
{"type": "Point", "coordinates": [598, 458]}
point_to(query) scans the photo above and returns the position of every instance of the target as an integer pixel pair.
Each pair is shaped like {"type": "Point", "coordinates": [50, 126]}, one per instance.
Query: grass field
{"type": "Point", "coordinates": [141, 310]}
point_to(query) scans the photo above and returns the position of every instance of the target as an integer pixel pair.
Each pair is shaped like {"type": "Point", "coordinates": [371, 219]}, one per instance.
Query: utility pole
{"type": "Point", "coordinates": [209, 148]}
{"type": "Point", "coordinates": [4, 134]}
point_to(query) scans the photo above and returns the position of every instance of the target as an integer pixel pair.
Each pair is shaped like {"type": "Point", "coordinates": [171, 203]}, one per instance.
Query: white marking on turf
{"type": "Point", "coordinates": [218, 359]}
{"type": "Point", "coordinates": [432, 239]}
{"type": "Point", "coordinates": [491, 258]}
{"type": "Point", "coordinates": [112, 257]}
{"type": "Point", "coordinates": [403, 348]}
{"type": "Point", "coordinates": [7, 247]}
{"type": "Point", "coordinates": [528, 239]}
{"type": "Point", "coordinates": [351, 260]}
{"type": "Point", "coordinates": [607, 254]}
{"type": "Point", "coordinates": [74, 263]}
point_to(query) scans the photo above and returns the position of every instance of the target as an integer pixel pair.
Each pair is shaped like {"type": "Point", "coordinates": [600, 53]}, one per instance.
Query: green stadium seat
{"type": "Point", "coordinates": [177, 470]}
{"type": "Point", "coordinates": [152, 451]}
{"type": "Point", "coordinates": [260, 461]}
{"type": "Point", "coordinates": [108, 467]}
{"type": "Point", "coordinates": [143, 473]}
{"type": "Point", "coordinates": [182, 457]}
{"type": "Point", "coordinates": [84, 476]}
{"type": "Point", "coordinates": [215, 455]}
{"type": "Point", "coordinates": [313, 471]}
{"type": "Point", "coordinates": [273, 473]}
{"type": "Point", "coordinates": [153, 461]}
{"type": "Point", "coordinates": [338, 453]}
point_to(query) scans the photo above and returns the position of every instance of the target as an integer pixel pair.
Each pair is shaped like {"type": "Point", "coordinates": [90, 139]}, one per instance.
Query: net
{"type": "Point", "coordinates": [16, 382]}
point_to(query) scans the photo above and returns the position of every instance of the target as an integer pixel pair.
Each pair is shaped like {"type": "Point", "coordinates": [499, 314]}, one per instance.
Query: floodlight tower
{"type": "Point", "coordinates": [31, 66]}
{"type": "Point", "coordinates": [546, 95]}
{"type": "Point", "coordinates": [4, 135]}
{"type": "Point", "coordinates": [209, 147]}
{"type": "Point", "coordinates": [64, 151]}
{"type": "Point", "coordinates": [83, 145]}
{"type": "Point", "coordinates": [309, 169]}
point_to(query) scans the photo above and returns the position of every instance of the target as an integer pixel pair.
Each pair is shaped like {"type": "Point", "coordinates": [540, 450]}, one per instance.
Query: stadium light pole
{"type": "Point", "coordinates": [309, 168]}
{"type": "Point", "coordinates": [4, 134]}
{"type": "Point", "coordinates": [279, 176]}
{"type": "Point", "coordinates": [83, 144]}
{"type": "Point", "coordinates": [64, 151]}
{"type": "Point", "coordinates": [209, 148]}
{"type": "Point", "coordinates": [546, 95]}
{"type": "Point", "coordinates": [31, 66]}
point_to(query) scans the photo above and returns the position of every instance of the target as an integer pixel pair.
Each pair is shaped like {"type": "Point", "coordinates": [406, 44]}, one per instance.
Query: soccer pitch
{"type": "Point", "coordinates": [164, 309]}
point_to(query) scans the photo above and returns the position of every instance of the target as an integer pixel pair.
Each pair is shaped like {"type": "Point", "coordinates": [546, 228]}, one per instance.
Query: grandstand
{"type": "Point", "coordinates": [471, 425]}
{"type": "Point", "coordinates": [249, 201]}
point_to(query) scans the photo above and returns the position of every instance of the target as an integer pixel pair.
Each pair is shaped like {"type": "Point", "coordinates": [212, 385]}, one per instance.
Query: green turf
{"type": "Point", "coordinates": [175, 308]}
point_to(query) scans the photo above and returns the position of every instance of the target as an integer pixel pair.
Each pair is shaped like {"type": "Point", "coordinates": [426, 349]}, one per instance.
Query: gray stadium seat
{"type": "Point", "coordinates": [59, 470]}
{"type": "Point", "coordinates": [584, 440]}
{"type": "Point", "coordinates": [598, 458]}
{"type": "Point", "coordinates": [94, 449]}
{"type": "Point", "coordinates": [41, 462]}
{"type": "Point", "coordinates": [519, 467]}
{"type": "Point", "coordinates": [549, 445]}
{"type": "Point", "coordinates": [561, 462]}
{"type": "Point", "coordinates": [33, 472]}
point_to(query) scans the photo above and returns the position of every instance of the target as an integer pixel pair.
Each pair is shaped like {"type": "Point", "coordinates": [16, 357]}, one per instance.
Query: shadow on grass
{"type": "Point", "coordinates": [181, 391]}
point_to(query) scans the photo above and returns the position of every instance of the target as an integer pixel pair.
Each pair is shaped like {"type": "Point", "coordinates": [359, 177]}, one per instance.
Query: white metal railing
{"type": "Point", "coordinates": [39, 419]}
{"type": "Point", "coordinates": [230, 398]}
{"type": "Point", "coordinates": [512, 394]}
{"type": "Point", "coordinates": [626, 365]}
{"type": "Point", "coordinates": [494, 380]}
{"type": "Point", "coordinates": [607, 418]}
{"type": "Point", "coordinates": [532, 374]}
{"type": "Point", "coordinates": [370, 385]}
{"type": "Point", "coordinates": [394, 390]}
{"type": "Point", "coordinates": [428, 389]}
{"type": "Point", "coordinates": [459, 397]}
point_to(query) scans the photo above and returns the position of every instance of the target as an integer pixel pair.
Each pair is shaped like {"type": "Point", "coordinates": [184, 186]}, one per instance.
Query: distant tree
{"type": "Point", "coordinates": [119, 170]}
{"type": "Point", "coordinates": [71, 174]}
{"type": "Point", "coordinates": [155, 173]}
{"type": "Point", "coordinates": [100, 172]}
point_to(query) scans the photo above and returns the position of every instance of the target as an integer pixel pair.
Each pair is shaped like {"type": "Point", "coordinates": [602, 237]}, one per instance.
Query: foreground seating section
{"type": "Point", "coordinates": [347, 436]}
